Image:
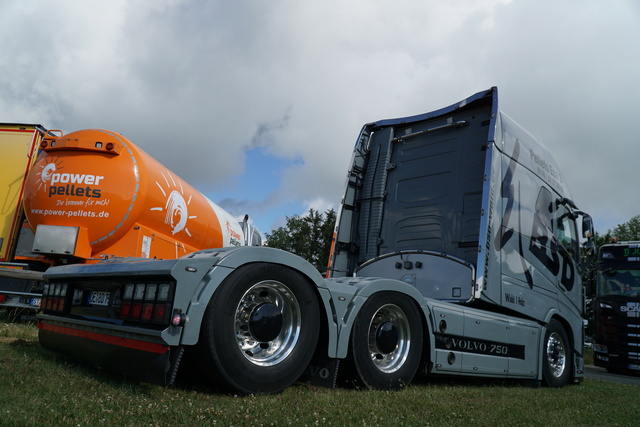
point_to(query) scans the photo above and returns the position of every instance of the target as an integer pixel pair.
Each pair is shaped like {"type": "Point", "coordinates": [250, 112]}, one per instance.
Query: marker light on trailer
{"type": "Point", "coordinates": [179, 318]}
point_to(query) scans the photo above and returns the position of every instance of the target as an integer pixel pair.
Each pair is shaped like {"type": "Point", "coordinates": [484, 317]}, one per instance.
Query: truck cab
{"type": "Point", "coordinates": [467, 207]}
{"type": "Point", "coordinates": [617, 307]}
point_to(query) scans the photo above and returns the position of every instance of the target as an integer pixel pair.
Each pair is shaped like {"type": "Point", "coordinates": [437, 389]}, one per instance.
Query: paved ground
{"type": "Point", "coordinates": [598, 373]}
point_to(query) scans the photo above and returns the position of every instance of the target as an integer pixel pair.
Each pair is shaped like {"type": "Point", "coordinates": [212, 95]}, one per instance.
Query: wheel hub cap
{"type": "Point", "coordinates": [265, 322]}
{"type": "Point", "coordinates": [387, 337]}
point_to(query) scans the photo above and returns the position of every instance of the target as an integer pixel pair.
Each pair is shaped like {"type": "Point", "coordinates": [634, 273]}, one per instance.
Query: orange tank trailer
{"type": "Point", "coordinates": [94, 195]}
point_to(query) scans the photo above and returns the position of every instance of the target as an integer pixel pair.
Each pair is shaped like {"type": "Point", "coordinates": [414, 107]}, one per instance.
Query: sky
{"type": "Point", "coordinates": [258, 104]}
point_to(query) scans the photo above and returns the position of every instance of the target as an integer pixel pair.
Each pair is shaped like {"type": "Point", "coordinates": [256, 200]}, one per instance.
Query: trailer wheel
{"type": "Point", "coordinates": [386, 341]}
{"type": "Point", "coordinates": [260, 329]}
{"type": "Point", "coordinates": [555, 369]}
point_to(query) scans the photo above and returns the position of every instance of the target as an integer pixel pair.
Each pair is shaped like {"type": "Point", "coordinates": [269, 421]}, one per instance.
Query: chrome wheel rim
{"type": "Point", "coordinates": [267, 323]}
{"type": "Point", "coordinates": [389, 338]}
{"type": "Point", "coordinates": [556, 355]}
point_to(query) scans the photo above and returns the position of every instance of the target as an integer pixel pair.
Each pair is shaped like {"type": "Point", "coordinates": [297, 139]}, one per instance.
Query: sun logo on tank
{"type": "Point", "coordinates": [176, 208]}
{"type": "Point", "coordinates": [47, 171]}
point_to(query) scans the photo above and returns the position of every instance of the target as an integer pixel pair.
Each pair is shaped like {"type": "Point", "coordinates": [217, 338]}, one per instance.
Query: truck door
{"type": "Point", "coordinates": [567, 236]}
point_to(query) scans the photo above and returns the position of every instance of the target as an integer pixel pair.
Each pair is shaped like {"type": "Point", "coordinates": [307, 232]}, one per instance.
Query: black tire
{"type": "Point", "coordinates": [556, 356]}
{"type": "Point", "coordinates": [386, 341]}
{"type": "Point", "coordinates": [260, 329]}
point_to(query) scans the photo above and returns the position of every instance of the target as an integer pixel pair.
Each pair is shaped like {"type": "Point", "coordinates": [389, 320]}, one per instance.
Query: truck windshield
{"type": "Point", "coordinates": [619, 282]}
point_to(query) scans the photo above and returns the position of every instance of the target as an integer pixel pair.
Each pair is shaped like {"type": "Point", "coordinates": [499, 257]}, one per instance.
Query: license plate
{"type": "Point", "coordinates": [634, 367]}
{"type": "Point", "coordinates": [35, 302]}
{"type": "Point", "coordinates": [99, 298]}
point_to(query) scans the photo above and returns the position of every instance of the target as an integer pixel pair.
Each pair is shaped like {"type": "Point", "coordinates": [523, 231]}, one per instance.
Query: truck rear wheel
{"type": "Point", "coordinates": [260, 329]}
{"type": "Point", "coordinates": [555, 360]}
{"type": "Point", "coordinates": [386, 341]}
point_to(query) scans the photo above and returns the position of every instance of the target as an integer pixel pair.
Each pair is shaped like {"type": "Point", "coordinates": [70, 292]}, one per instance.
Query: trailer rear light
{"type": "Point", "coordinates": [147, 311]}
{"type": "Point", "coordinates": [136, 309]}
{"type": "Point", "coordinates": [150, 292]}
{"type": "Point", "coordinates": [147, 302]}
{"type": "Point", "coordinates": [128, 291]}
{"type": "Point", "coordinates": [160, 313]}
{"type": "Point", "coordinates": [163, 292]}
{"type": "Point", "coordinates": [54, 297]}
{"type": "Point", "coordinates": [125, 309]}
{"type": "Point", "coordinates": [138, 293]}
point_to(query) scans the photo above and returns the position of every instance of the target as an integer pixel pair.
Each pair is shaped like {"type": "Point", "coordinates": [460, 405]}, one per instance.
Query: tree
{"type": "Point", "coordinates": [307, 236]}
{"type": "Point", "coordinates": [628, 231]}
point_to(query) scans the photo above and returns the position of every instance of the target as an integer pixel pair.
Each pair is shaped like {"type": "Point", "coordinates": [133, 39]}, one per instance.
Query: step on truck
{"type": "Point", "coordinates": [456, 252]}
{"type": "Point", "coordinates": [616, 308]}
{"type": "Point", "coordinates": [93, 195]}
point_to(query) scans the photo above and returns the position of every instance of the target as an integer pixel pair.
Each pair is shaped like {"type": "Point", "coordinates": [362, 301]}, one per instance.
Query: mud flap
{"type": "Point", "coordinates": [578, 372]}
{"type": "Point", "coordinates": [154, 367]}
{"type": "Point", "coordinates": [322, 371]}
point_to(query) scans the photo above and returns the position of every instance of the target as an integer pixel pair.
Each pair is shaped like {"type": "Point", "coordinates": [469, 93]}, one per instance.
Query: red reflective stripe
{"type": "Point", "coordinates": [109, 339]}
{"type": "Point", "coordinates": [16, 130]}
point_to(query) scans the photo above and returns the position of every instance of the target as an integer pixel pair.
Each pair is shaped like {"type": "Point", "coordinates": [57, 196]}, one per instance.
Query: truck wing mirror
{"type": "Point", "coordinates": [587, 226]}
{"type": "Point", "coordinates": [589, 241]}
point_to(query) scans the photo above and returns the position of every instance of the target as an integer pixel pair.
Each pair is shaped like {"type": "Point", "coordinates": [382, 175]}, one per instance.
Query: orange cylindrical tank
{"type": "Point", "coordinates": [124, 202]}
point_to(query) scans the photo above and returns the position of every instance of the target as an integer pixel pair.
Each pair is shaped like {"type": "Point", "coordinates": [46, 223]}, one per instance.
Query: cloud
{"type": "Point", "coordinates": [198, 83]}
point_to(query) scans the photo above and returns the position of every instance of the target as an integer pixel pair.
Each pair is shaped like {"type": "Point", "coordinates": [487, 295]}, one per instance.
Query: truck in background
{"type": "Point", "coordinates": [456, 252]}
{"type": "Point", "coordinates": [616, 307]}
{"type": "Point", "coordinates": [20, 269]}
{"type": "Point", "coordinates": [93, 195]}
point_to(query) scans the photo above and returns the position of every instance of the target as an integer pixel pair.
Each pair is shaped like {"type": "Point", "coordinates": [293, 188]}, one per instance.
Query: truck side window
{"type": "Point", "coordinates": [544, 210]}
{"type": "Point", "coordinates": [566, 231]}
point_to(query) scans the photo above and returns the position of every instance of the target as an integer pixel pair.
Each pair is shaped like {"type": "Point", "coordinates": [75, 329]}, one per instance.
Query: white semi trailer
{"type": "Point", "coordinates": [456, 252]}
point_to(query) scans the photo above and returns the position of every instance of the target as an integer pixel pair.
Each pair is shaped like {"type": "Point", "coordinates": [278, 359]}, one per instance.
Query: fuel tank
{"type": "Point", "coordinates": [94, 195]}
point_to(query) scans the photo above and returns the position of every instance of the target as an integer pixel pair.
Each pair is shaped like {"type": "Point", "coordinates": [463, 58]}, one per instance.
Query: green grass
{"type": "Point", "coordinates": [40, 388]}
